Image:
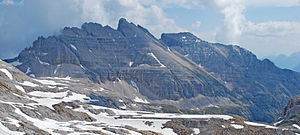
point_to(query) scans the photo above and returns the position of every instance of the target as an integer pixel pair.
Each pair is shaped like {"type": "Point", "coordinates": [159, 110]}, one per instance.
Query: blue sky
{"type": "Point", "coordinates": [268, 27]}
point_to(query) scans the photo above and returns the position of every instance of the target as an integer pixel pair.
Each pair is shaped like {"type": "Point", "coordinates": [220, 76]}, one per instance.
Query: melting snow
{"type": "Point", "coordinates": [137, 99]}
{"type": "Point", "coordinates": [42, 62]}
{"type": "Point", "coordinates": [58, 66]}
{"type": "Point", "coordinates": [259, 124]}
{"type": "Point", "coordinates": [237, 126]}
{"type": "Point", "coordinates": [68, 78]}
{"type": "Point", "coordinates": [151, 54]}
{"type": "Point", "coordinates": [296, 126]}
{"type": "Point", "coordinates": [169, 49]}
{"type": "Point", "coordinates": [20, 88]}
{"type": "Point", "coordinates": [47, 124]}
{"type": "Point", "coordinates": [30, 84]}
{"type": "Point", "coordinates": [5, 131]}
{"type": "Point", "coordinates": [82, 67]}
{"type": "Point", "coordinates": [130, 63]}
{"type": "Point", "coordinates": [48, 99]}
{"type": "Point", "coordinates": [135, 86]}
{"type": "Point", "coordinates": [7, 73]}
{"type": "Point", "coordinates": [28, 70]}
{"type": "Point", "coordinates": [196, 130]}
{"type": "Point", "coordinates": [49, 82]}
{"type": "Point", "coordinates": [13, 121]}
{"type": "Point", "coordinates": [48, 94]}
{"type": "Point", "coordinates": [73, 47]}
{"type": "Point", "coordinates": [276, 123]}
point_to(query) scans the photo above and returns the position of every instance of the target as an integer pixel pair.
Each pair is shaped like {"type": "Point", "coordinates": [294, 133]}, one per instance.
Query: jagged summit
{"type": "Point", "coordinates": [179, 69]}
{"type": "Point", "coordinates": [130, 54]}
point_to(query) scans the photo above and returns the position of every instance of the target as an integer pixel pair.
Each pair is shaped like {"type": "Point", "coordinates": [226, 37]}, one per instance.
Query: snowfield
{"type": "Point", "coordinates": [7, 73]}
{"type": "Point", "coordinates": [101, 120]}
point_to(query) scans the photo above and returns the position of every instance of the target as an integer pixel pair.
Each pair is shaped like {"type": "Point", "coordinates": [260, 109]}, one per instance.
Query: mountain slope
{"type": "Point", "coordinates": [54, 106]}
{"type": "Point", "coordinates": [260, 84]}
{"type": "Point", "coordinates": [179, 70]}
{"type": "Point", "coordinates": [129, 54]}
{"type": "Point", "coordinates": [290, 116]}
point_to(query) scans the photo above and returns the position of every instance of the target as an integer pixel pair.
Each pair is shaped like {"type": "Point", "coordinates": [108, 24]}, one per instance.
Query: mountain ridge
{"type": "Point", "coordinates": [179, 69]}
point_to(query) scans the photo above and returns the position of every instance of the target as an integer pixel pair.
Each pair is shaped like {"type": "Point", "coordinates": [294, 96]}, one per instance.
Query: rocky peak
{"type": "Point", "coordinates": [182, 38]}
{"type": "Point", "coordinates": [134, 33]}
{"type": "Point", "coordinates": [264, 86]}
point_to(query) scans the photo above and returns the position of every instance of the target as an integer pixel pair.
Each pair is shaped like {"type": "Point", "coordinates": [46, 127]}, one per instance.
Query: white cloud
{"type": "Point", "coordinates": [20, 24]}
{"type": "Point", "coordinates": [196, 25]}
{"type": "Point", "coordinates": [273, 3]}
{"type": "Point", "coordinates": [7, 2]}
{"type": "Point", "coordinates": [273, 28]}
{"type": "Point", "coordinates": [233, 20]}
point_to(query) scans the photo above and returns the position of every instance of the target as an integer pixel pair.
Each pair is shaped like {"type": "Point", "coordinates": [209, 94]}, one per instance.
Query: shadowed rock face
{"type": "Point", "coordinates": [290, 116]}
{"type": "Point", "coordinates": [260, 84]}
{"type": "Point", "coordinates": [129, 53]}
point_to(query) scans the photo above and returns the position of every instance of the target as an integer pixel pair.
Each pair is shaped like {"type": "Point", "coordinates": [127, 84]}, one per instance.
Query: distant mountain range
{"type": "Point", "coordinates": [290, 62]}
{"type": "Point", "coordinates": [179, 70]}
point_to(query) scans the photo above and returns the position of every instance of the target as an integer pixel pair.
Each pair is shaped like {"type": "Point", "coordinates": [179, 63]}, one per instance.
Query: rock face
{"type": "Point", "coordinates": [129, 54]}
{"type": "Point", "coordinates": [179, 70]}
{"type": "Point", "coordinates": [290, 116]}
{"type": "Point", "coordinates": [261, 85]}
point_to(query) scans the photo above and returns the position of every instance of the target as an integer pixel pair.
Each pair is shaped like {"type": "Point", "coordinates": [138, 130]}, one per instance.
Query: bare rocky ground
{"type": "Point", "coordinates": [36, 106]}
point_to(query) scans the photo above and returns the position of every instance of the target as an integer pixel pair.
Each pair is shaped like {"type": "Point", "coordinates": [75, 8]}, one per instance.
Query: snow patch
{"type": "Point", "coordinates": [196, 130]}
{"type": "Point", "coordinates": [169, 49]}
{"type": "Point", "coordinates": [30, 84]}
{"type": "Point", "coordinates": [152, 55]}
{"type": "Point", "coordinates": [183, 37]}
{"type": "Point", "coordinates": [20, 88]}
{"type": "Point", "coordinates": [296, 126]}
{"type": "Point", "coordinates": [42, 62]}
{"type": "Point", "coordinates": [48, 94]}
{"type": "Point", "coordinates": [7, 73]}
{"type": "Point", "coordinates": [259, 124]}
{"type": "Point", "coordinates": [73, 47]}
{"type": "Point", "coordinates": [5, 131]}
{"type": "Point", "coordinates": [236, 126]}
{"type": "Point", "coordinates": [68, 78]}
{"type": "Point", "coordinates": [49, 82]}
{"type": "Point", "coordinates": [32, 75]}
{"type": "Point", "coordinates": [137, 99]}
{"type": "Point", "coordinates": [82, 67]}
{"type": "Point", "coordinates": [48, 98]}
{"type": "Point", "coordinates": [130, 63]}
{"type": "Point", "coordinates": [28, 70]}
{"type": "Point", "coordinates": [135, 86]}
{"type": "Point", "coordinates": [13, 121]}
{"type": "Point", "coordinates": [58, 66]}
{"type": "Point", "coordinates": [276, 123]}
{"type": "Point", "coordinates": [48, 125]}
